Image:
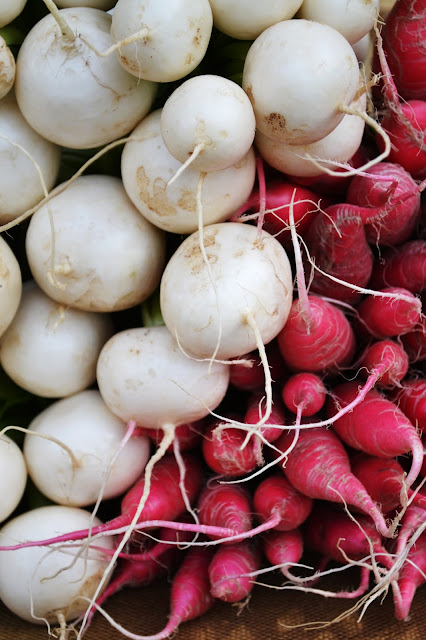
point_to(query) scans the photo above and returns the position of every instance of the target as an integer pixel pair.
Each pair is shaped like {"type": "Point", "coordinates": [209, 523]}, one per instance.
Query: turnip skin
{"type": "Point", "coordinates": [107, 257]}
{"type": "Point", "coordinates": [11, 285]}
{"type": "Point", "coordinates": [144, 376]}
{"type": "Point", "coordinates": [94, 434]}
{"type": "Point", "coordinates": [50, 350]}
{"type": "Point", "coordinates": [20, 185]}
{"type": "Point", "coordinates": [146, 167]}
{"type": "Point", "coordinates": [253, 276]}
{"type": "Point", "coordinates": [68, 93]}
{"type": "Point", "coordinates": [13, 476]}
{"type": "Point", "coordinates": [9, 10]}
{"type": "Point", "coordinates": [7, 68]}
{"type": "Point", "coordinates": [245, 19]}
{"type": "Point", "coordinates": [23, 572]}
{"type": "Point", "coordinates": [353, 19]}
{"type": "Point", "coordinates": [300, 49]}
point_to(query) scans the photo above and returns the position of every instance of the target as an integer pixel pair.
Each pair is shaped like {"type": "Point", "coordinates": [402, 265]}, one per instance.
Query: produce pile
{"type": "Point", "coordinates": [213, 269]}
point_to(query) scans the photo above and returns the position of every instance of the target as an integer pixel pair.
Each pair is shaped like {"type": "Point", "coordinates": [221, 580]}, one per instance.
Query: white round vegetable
{"type": "Point", "coordinates": [106, 256]}
{"type": "Point", "coordinates": [93, 434]}
{"type": "Point", "coordinates": [249, 276]}
{"type": "Point", "coordinates": [352, 18]}
{"type": "Point", "coordinates": [13, 476]}
{"type": "Point", "coordinates": [340, 145]}
{"type": "Point", "coordinates": [246, 19]}
{"type": "Point", "coordinates": [10, 285]}
{"type": "Point", "coordinates": [9, 10]}
{"type": "Point", "coordinates": [20, 185]}
{"type": "Point", "coordinates": [146, 167]}
{"type": "Point", "coordinates": [143, 375]}
{"type": "Point", "coordinates": [171, 36]}
{"type": "Point", "coordinates": [298, 74]}
{"type": "Point", "coordinates": [362, 47]}
{"type": "Point", "coordinates": [105, 5]}
{"type": "Point", "coordinates": [211, 116]}
{"type": "Point", "coordinates": [7, 69]}
{"type": "Point", "coordinates": [50, 350]}
{"type": "Point", "coordinates": [71, 95]}
{"type": "Point", "coordinates": [38, 583]}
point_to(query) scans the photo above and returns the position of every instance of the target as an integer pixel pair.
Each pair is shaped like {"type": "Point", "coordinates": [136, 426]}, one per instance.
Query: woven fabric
{"type": "Point", "coordinates": [144, 611]}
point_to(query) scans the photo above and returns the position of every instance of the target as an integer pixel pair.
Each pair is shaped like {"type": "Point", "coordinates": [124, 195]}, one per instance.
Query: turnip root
{"type": "Point", "coordinates": [38, 584]}
{"type": "Point", "coordinates": [11, 285]}
{"type": "Point", "coordinates": [22, 153]}
{"type": "Point", "coordinates": [13, 476]}
{"type": "Point", "coordinates": [287, 109]}
{"type": "Point", "coordinates": [244, 20]}
{"type": "Point", "coordinates": [50, 350]}
{"type": "Point", "coordinates": [9, 10]}
{"type": "Point", "coordinates": [211, 307]}
{"type": "Point", "coordinates": [7, 66]}
{"type": "Point", "coordinates": [147, 166]}
{"type": "Point", "coordinates": [167, 40]}
{"type": "Point", "coordinates": [353, 19]}
{"type": "Point", "coordinates": [102, 254]}
{"type": "Point", "coordinates": [68, 93]}
{"type": "Point", "coordinates": [93, 434]}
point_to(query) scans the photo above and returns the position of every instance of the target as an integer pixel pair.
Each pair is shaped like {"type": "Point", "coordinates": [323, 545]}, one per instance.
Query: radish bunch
{"type": "Point", "coordinates": [218, 317]}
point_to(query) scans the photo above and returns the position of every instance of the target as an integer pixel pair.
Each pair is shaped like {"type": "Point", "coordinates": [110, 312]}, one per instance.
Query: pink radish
{"type": "Point", "coordinates": [402, 266]}
{"type": "Point", "coordinates": [225, 506]}
{"type": "Point", "coordinates": [226, 569]}
{"type": "Point", "coordinates": [391, 353]}
{"type": "Point", "coordinates": [411, 399]}
{"type": "Point", "coordinates": [275, 496]}
{"type": "Point", "coordinates": [305, 390]}
{"type": "Point", "coordinates": [388, 317]}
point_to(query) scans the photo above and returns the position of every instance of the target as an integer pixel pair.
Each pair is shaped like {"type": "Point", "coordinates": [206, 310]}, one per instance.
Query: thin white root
{"type": "Point", "coordinates": [75, 462]}
{"type": "Point", "coordinates": [197, 150]}
{"type": "Point", "coordinates": [138, 35]}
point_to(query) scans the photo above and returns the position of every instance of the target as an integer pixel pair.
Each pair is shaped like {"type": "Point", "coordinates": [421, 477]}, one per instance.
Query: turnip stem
{"type": "Point", "coordinates": [66, 30]}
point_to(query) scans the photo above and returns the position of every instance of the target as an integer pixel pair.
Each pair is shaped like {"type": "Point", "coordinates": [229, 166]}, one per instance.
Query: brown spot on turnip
{"type": "Point", "coordinates": [189, 59]}
{"type": "Point", "coordinates": [158, 201]}
{"type": "Point", "coordinates": [249, 92]}
{"type": "Point", "coordinates": [187, 201]}
{"type": "Point", "coordinates": [276, 122]}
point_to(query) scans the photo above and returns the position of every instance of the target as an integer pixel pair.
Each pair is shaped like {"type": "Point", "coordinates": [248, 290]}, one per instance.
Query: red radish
{"type": "Point", "coordinates": [276, 496]}
{"type": "Point", "coordinates": [323, 342]}
{"type": "Point", "coordinates": [223, 454]}
{"type": "Point", "coordinates": [403, 266]}
{"type": "Point", "coordinates": [252, 378]}
{"type": "Point", "coordinates": [337, 242]}
{"type": "Point", "coordinates": [226, 505]}
{"type": "Point", "coordinates": [384, 480]}
{"type": "Point", "coordinates": [404, 35]}
{"type": "Point", "coordinates": [388, 317]}
{"type": "Point", "coordinates": [333, 533]}
{"type": "Point", "coordinates": [404, 123]}
{"type": "Point", "coordinates": [411, 399]}
{"type": "Point", "coordinates": [392, 356]}
{"type": "Point", "coordinates": [164, 501]}
{"type": "Point", "coordinates": [376, 426]}
{"type": "Point", "coordinates": [227, 568]}
{"type": "Point", "coordinates": [188, 435]}
{"type": "Point", "coordinates": [277, 201]}
{"type": "Point", "coordinates": [411, 576]}
{"type": "Point", "coordinates": [283, 547]}
{"type": "Point", "coordinates": [415, 342]}
{"type": "Point", "coordinates": [305, 390]}
{"type": "Point", "coordinates": [318, 466]}
{"type": "Point", "coordinates": [390, 203]}
{"type": "Point", "coordinates": [271, 428]}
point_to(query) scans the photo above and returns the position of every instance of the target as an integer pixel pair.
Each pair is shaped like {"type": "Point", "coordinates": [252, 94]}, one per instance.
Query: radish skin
{"type": "Point", "coordinates": [227, 569]}
{"type": "Point", "coordinates": [276, 496]}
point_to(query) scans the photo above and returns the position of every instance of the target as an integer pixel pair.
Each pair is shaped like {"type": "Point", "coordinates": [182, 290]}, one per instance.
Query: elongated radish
{"type": "Point", "coordinates": [93, 435]}
{"type": "Point", "coordinates": [411, 399]}
{"type": "Point", "coordinates": [127, 263]}
{"type": "Point", "coordinates": [209, 122]}
{"type": "Point", "coordinates": [304, 390]}
{"type": "Point", "coordinates": [410, 578]}
{"type": "Point", "coordinates": [324, 341]}
{"type": "Point", "coordinates": [415, 342]}
{"type": "Point", "coordinates": [226, 571]}
{"type": "Point", "coordinates": [68, 93]}
{"type": "Point", "coordinates": [376, 426]}
{"type": "Point", "coordinates": [402, 266]}
{"type": "Point", "coordinates": [337, 242]}
{"type": "Point", "coordinates": [286, 109]}
{"type": "Point", "coordinates": [391, 203]}
{"type": "Point", "coordinates": [391, 353]}
{"type": "Point", "coordinates": [32, 583]}
{"type": "Point", "coordinates": [13, 476]}
{"type": "Point", "coordinates": [276, 496]}
{"type": "Point", "coordinates": [225, 506]}
{"type": "Point", "coordinates": [212, 305]}
{"type": "Point", "coordinates": [318, 466]}
{"type": "Point", "coordinates": [389, 317]}
{"type": "Point", "coordinates": [161, 42]}
{"type": "Point", "coordinates": [147, 166]}
{"type": "Point", "coordinates": [244, 21]}
{"type": "Point", "coordinates": [384, 481]}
